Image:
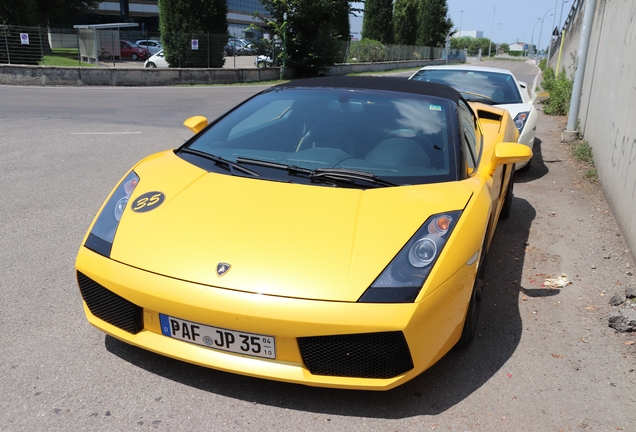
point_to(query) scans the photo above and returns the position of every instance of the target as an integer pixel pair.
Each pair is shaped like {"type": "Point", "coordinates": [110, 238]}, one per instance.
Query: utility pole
{"type": "Point", "coordinates": [492, 30]}
{"type": "Point", "coordinates": [571, 134]}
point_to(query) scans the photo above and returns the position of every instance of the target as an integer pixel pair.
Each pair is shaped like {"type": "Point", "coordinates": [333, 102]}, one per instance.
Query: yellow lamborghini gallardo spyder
{"type": "Point", "coordinates": [328, 232]}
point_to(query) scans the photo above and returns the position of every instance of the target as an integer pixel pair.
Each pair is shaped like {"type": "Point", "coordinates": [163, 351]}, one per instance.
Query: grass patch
{"type": "Point", "coordinates": [583, 153]}
{"type": "Point", "coordinates": [53, 60]}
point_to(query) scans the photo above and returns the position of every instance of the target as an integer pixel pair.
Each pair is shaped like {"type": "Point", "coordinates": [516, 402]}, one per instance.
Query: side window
{"type": "Point", "coordinates": [471, 138]}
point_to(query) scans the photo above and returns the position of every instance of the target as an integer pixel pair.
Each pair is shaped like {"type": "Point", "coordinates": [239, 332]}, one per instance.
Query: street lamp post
{"type": "Point", "coordinates": [282, 70]}
{"type": "Point", "coordinates": [492, 30]}
{"type": "Point", "coordinates": [540, 31]}
{"type": "Point", "coordinates": [552, 29]}
{"type": "Point", "coordinates": [532, 40]}
{"type": "Point", "coordinates": [461, 19]}
{"type": "Point", "coordinates": [498, 33]}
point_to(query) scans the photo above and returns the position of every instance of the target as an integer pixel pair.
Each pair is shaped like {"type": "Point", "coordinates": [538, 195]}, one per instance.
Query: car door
{"type": "Point", "coordinates": [126, 50]}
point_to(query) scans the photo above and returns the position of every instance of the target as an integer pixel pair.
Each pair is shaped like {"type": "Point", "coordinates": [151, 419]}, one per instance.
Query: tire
{"type": "Point", "coordinates": [134, 57]}
{"type": "Point", "coordinates": [471, 322]}
{"type": "Point", "coordinates": [261, 64]}
{"type": "Point", "coordinates": [151, 65]}
{"type": "Point", "coordinates": [506, 209]}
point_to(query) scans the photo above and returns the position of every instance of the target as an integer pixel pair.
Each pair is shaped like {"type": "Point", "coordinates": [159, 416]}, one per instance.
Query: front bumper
{"type": "Point", "coordinates": [430, 327]}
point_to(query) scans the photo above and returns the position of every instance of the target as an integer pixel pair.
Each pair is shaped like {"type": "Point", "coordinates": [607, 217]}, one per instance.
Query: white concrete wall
{"type": "Point", "coordinates": [608, 103]}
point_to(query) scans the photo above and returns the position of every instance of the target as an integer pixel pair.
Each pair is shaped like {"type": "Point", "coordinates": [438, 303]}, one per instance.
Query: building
{"type": "Point", "coordinates": [476, 34]}
{"type": "Point", "coordinates": [146, 12]}
{"type": "Point", "coordinates": [518, 46]}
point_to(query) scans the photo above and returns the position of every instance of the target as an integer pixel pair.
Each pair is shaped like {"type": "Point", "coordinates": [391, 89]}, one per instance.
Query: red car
{"type": "Point", "coordinates": [132, 51]}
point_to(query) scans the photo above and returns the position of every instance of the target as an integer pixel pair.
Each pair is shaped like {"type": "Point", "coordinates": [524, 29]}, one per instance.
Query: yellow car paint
{"type": "Point", "coordinates": [164, 259]}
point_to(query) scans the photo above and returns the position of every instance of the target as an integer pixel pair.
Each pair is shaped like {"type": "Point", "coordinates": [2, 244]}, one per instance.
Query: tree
{"type": "Point", "coordinates": [405, 21]}
{"type": "Point", "coordinates": [314, 31]}
{"type": "Point", "coordinates": [377, 23]}
{"type": "Point", "coordinates": [185, 21]}
{"type": "Point", "coordinates": [434, 23]}
{"type": "Point", "coordinates": [43, 12]}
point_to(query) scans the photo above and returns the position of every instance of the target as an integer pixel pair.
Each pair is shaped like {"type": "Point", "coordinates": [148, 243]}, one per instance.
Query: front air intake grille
{"type": "Point", "coordinates": [365, 355]}
{"type": "Point", "coordinates": [110, 307]}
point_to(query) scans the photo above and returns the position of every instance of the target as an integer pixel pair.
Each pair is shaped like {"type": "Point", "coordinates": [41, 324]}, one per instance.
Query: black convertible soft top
{"type": "Point", "coordinates": [379, 83]}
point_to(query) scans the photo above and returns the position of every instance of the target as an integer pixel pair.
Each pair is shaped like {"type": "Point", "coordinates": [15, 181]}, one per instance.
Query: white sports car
{"type": "Point", "coordinates": [492, 86]}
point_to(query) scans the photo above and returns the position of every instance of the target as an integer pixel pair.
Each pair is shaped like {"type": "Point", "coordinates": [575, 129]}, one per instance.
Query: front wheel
{"type": "Point", "coordinates": [472, 315]}
{"type": "Point", "coordinates": [151, 65]}
{"type": "Point", "coordinates": [506, 208]}
{"type": "Point", "coordinates": [134, 57]}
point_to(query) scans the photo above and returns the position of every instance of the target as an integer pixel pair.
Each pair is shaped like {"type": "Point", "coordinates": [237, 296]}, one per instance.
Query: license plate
{"type": "Point", "coordinates": [219, 338]}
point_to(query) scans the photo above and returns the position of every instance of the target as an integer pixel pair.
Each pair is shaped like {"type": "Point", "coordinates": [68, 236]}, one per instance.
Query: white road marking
{"type": "Point", "coordinates": [104, 133]}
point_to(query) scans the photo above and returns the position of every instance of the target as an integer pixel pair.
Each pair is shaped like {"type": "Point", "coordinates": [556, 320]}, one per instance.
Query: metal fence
{"type": "Point", "coordinates": [45, 46]}
{"type": "Point", "coordinates": [371, 51]}
{"type": "Point", "coordinates": [23, 45]}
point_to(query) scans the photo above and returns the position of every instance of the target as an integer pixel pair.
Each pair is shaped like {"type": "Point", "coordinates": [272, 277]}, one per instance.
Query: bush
{"type": "Point", "coordinates": [543, 63]}
{"type": "Point", "coordinates": [367, 50]}
{"type": "Point", "coordinates": [182, 21]}
{"type": "Point", "coordinates": [560, 90]}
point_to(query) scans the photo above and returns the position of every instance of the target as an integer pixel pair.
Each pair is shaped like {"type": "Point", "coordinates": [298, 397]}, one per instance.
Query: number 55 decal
{"type": "Point", "coordinates": [148, 201]}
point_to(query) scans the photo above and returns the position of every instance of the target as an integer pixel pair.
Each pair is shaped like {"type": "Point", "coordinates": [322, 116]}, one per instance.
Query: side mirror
{"type": "Point", "coordinates": [508, 153]}
{"type": "Point", "coordinates": [196, 123]}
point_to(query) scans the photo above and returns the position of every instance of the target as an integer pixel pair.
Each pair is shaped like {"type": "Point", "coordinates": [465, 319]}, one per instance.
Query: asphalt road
{"type": "Point", "coordinates": [543, 360]}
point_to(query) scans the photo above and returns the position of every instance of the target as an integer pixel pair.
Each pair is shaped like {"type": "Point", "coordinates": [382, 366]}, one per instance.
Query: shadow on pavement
{"type": "Point", "coordinates": [455, 377]}
{"type": "Point", "coordinates": [538, 166]}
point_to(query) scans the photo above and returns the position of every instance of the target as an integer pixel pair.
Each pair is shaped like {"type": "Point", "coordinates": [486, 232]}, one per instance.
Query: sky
{"type": "Point", "coordinates": [513, 20]}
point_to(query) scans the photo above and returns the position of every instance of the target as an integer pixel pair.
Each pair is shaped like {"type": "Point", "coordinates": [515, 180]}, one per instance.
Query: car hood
{"type": "Point", "coordinates": [515, 108]}
{"type": "Point", "coordinates": [281, 239]}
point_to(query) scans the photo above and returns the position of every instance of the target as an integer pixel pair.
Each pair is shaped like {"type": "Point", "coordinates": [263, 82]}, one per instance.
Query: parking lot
{"type": "Point", "coordinates": [544, 359]}
{"type": "Point", "coordinates": [232, 62]}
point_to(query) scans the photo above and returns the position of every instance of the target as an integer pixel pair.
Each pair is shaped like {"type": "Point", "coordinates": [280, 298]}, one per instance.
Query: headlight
{"type": "Point", "coordinates": [521, 119]}
{"type": "Point", "coordinates": [101, 237]}
{"type": "Point", "coordinates": [403, 278]}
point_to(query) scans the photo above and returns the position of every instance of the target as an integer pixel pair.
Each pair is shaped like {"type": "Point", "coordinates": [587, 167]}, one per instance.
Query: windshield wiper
{"type": "Point", "coordinates": [330, 174]}
{"type": "Point", "coordinates": [275, 165]}
{"type": "Point", "coordinates": [231, 166]}
{"type": "Point", "coordinates": [348, 175]}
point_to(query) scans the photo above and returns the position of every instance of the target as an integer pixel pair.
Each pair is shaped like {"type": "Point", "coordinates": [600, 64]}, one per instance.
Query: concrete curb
{"type": "Point", "coordinates": [83, 76]}
{"type": "Point", "coordinates": [111, 76]}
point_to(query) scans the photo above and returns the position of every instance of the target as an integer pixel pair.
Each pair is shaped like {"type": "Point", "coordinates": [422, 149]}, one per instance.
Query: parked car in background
{"type": "Point", "coordinates": [157, 61]}
{"type": "Point", "coordinates": [239, 47]}
{"type": "Point", "coordinates": [153, 46]}
{"type": "Point", "coordinates": [263, 61]}
{"type": "Point", "coordinates": [129, 50]}
{"type": "Point", "coordinates": [491, 86]}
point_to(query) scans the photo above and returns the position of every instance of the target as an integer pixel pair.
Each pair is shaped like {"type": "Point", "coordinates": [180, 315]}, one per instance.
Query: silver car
{"type": "Point", "coordinates": [154, 46]}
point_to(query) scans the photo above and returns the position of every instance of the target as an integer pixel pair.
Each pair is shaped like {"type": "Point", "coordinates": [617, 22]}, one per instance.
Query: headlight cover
{"type": "Point", "coordinates": [403, 278]}
{"type": "Point", "coordinates": [521, 119]}
{"type": "Point", "coordinates": [101, 237]}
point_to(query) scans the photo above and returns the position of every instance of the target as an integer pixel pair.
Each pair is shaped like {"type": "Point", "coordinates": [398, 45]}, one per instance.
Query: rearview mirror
{"type": "Point", "coordinates": [196, 123]}
{"type": "Point", "coordinates": [508, 153]}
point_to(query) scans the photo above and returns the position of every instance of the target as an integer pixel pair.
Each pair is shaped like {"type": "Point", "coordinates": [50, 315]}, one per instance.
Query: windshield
{"type": "Point", "coordinates": [475, 85]}
{"type": "Point", "coordinates": [379, 137]}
